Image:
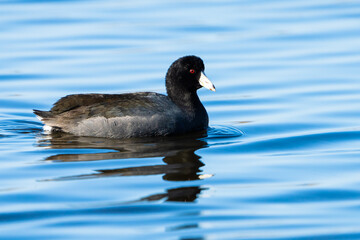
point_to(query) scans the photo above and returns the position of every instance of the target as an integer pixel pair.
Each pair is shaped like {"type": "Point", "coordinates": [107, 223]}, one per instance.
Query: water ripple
{"type": "Point", "coordinates": [288, 144]}
{"type": "Point", "coordinates": [222, 131]}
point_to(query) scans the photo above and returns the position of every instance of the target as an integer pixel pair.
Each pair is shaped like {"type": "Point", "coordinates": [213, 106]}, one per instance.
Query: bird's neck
{"type": "Point", "coordinates": [190, 103]}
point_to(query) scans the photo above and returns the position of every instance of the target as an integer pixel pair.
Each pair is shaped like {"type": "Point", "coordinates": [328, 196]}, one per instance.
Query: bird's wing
{"type": "Point", "coordinates": [107, 104]}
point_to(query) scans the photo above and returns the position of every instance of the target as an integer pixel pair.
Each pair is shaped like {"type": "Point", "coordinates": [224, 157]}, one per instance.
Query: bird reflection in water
{"type": "Point", "coordinates": [178, 153]}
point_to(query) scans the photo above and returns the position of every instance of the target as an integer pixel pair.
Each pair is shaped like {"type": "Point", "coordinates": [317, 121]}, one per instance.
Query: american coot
{"type": "Point", "coordinates": [141, 114]}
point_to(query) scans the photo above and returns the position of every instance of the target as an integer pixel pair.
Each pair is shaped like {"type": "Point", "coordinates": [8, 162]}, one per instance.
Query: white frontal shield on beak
{"type": "Point", "coordinates": [206, 83]}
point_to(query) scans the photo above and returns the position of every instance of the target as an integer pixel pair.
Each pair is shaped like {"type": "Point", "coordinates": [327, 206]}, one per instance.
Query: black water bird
{"type": "Point", "coordinates": [141, 114]}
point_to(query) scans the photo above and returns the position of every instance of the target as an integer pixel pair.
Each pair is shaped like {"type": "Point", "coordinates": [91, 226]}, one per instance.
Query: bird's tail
{"type": "Point", "coordinates": [43, 115]}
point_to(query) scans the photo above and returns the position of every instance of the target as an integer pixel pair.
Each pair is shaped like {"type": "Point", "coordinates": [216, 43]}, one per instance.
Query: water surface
{"type": "Point", "coordinates": [281, 157]}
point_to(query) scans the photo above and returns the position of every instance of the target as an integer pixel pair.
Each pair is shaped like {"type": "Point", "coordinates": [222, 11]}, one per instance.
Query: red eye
{"type": "Point", "coordinates": [192, 71]}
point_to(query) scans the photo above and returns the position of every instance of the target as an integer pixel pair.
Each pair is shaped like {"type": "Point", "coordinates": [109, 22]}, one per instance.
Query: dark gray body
{"type": "Point", "coordinates": [142, 114]}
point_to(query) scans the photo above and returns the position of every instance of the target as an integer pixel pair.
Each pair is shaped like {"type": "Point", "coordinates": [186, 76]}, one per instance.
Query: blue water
{"type": "Point", "coordinates": [280, 161]}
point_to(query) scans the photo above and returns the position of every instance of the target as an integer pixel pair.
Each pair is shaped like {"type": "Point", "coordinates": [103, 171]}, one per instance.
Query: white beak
{"type": "Point", "coordinates": [206, 83]}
